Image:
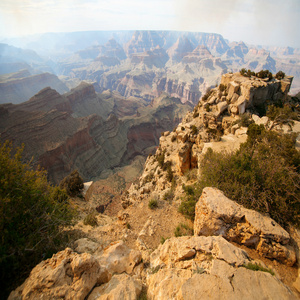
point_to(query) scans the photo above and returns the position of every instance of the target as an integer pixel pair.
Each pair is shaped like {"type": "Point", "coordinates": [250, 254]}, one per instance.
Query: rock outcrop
{"type": "Point", "coordinates": [66, 275]}
{"type": "Point", "coordinates": [217, 215]}
{"type": "Point", "coordinates": [208, 268]}
{"type": "Point", "coordinates": [70, 275]}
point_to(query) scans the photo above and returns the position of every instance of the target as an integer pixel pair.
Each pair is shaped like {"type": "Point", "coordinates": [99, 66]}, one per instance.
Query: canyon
{"type": "Point", "coordinates": [84, 130]}
{"type": "Point", "coordinates": [227, 251]}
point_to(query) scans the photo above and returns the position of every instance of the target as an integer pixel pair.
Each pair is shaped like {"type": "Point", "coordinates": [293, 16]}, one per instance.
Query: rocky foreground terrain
{"type": "Point", "coordinates": [228, 252]}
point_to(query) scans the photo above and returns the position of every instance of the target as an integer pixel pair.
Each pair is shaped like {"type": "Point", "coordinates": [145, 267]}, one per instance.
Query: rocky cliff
{"type": "Point", "coordinates": [21, 86]}
{"type": "Point", "coordinates": [86, 131]}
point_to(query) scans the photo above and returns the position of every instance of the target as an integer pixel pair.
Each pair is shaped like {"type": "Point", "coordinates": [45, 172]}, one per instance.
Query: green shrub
{"type": "Point", "coordinates": [207, 94]}
{"type": "Point", "coordinates": [182, 230]}
{"type": "Point", "coordinates": [162, 240]}
{"type": "Point", "coordinates": [195, 114]}
{"type": "Point", "coordinates": [90, 219]}
{"type": "Point", "coordinates": [161, 158]}
{"type": "Point", "coordinates": [255, 267]}
{"type": "Point", "coordinates": [169, 195]}
{"type": "Point", "coordinates": [245, 120]}
{"type": "Point", "coordinates": [168, 168]}
{"type": "Point", "coordinates": [153, 203]}
{"type": "Point", "coordinates": [280, 75]}
{"type": "Point", "coordinates": [73, 184]}
{"type": "Point", "coordinates": [188, 203]}
{"type": "Point", "coordinates": [247, 73]}
{"type": "Point", "coordinates": [222, 87]}
{"type": "Point", "coordinates": [32, 215]}
{"type": "Point", "coordinates": [262, 175]}
{"type": "Point", "coordinates": [207, 108]}
{"type": "Point", "coordinates": [264, 74]}
{"type": "Point", "coordinates": [281, 115]}
{"type": "Point", "coordinates": [194, 129]}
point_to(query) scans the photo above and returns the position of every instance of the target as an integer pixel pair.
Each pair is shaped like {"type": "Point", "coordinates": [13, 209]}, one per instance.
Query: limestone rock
{"type": "Point", "coordinates": [208, 268]}
{"type": "Point", "coordinates": [118, 258]}
{"type": "Point", "coordinates": [178, 249]}
{"type": "Point", "coordinates": [87, 245]}
{"type": "Point", "coordinates": [166, 283]}
{"type": "Point", "coordinates": [221, 106]}
{"type": "Point", "coordinates": [218, 215]}
{"type": "Point", "coordinates": [67, 275]}
{"type": "Point", "coordinates": [119, 287]}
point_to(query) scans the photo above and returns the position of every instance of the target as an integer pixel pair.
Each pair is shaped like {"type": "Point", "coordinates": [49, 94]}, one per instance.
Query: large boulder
{"type": "Point", "coordinates": [118, 258]}
{"type": "Point", "coordinates": [67, 275]}
{"type": "Point", "coordinates": [208, 268]}
{"type": "Point", "coordinates": [215, 214]}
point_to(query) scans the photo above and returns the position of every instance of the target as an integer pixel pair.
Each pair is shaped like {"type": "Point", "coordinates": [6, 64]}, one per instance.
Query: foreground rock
{"type": "Point", "coordinates": [218, 215]}
{"type": "Point", "coordinates": [208, 268]}
{"type": "Point", "coordinates": [69, 275]}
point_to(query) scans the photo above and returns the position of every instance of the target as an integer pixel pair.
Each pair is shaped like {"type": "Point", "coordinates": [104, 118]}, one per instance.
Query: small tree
{"type": "Point", "coordinates": [73, 184]}
{"type": "Point", "coordinates": [280, 75]}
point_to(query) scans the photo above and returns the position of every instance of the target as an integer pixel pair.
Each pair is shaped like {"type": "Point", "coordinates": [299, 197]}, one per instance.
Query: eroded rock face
{"type": "Point", "coordinates": [69, 275]}
{"type": "Point", "coordinates": [21, 89]}
{"type": "Point", "coordinates": [208, 268]}
{"type": "Point", "coordinates": [119, 287]}
{"type": "Point", "coordinates": [66, 275]}
{"type": "Point", "coordinates": [118, 258]}
{"type": "Point", "coordinates": [244, 92]}
{"type": "Point", "coordinates": [215, 214]}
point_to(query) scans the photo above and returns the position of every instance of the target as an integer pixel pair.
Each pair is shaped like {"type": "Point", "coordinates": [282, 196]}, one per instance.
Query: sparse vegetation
{"type": "Point", "coordinates": [161, 158]}
{"type": "Point", "coordinates": [183, 229]}
{"type": "Point", "coordinates": [280, 75]}
{"type": "Point", "coordinates": [262, 175]}
{"type": "Point", "coordinates": [261, 74]}
{"type": "Point", "coordinates": [245, 120]}
{"type": "Point", "coordinates": [195, 114]}
{"type": "Point", "coordinates": [194, 129]}
{"type": "Point", "coordinates": [162, 240]}
{"type": "Point", "coordinates": [247, 73]}
{"type": "Point", "coordinates": [169, 171]}
{"type": "Point", "coordinates": [90, 219]}
{"type": "Point", "coordinates": [73, 184]}
{"type": "Point", "coordinates": [187, 206]}
{"type": "Point", "coordinates": [148, 178]}
{"type": "Point", "coordinates": [169, 195]}
{"type": "Point", "coordinates": [153, 203]}
{"type": "Point", "coordinates": [256, 267]}
{"type": "Point", "coordinates": [264, 74]}
{"type": "Point", "coordinates": [207, 108]}
{"type": "Point", "coordinates": [222, 87]}
{"type": "Point", "coordinates": [281, 115]}
{"type": "Point", "coordinates": [207, 94]}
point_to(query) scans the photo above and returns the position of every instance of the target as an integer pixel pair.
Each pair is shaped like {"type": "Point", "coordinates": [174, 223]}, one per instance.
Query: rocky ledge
{"type": "Point", "coordinates": [187, 267]}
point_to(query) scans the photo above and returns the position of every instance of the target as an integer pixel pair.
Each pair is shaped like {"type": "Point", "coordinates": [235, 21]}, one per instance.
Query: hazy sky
{"type": "Point", "coordinates": [267, 22]}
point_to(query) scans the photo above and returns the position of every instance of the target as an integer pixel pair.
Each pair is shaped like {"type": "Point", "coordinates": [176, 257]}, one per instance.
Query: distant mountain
{"type": "Point", "coordinates": [20, 86]}
{"type": "Point", "coordinates": [133, 62]}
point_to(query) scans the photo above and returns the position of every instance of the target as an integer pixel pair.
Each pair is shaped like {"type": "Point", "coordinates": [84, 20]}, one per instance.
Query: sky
{"type": "Point", "coordinates": [259, 22]}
